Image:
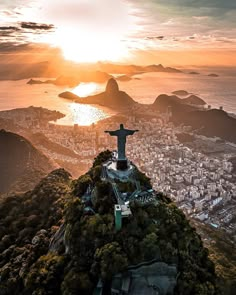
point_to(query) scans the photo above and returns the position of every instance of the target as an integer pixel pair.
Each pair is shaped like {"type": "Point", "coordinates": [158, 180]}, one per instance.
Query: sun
{"type": "Point", "coordinates": [86, 45]}
{"type": "Point", "coordinates": [87, 30]}
{"type": "Point", "coordinates": [90, 30]}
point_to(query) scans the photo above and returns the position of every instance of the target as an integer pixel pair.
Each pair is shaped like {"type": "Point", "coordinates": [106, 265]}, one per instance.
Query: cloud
{"type": "Point", "coordinates": [14, 34]}
{"type": "Point", "coordinates": [7, 47]}
{"type": "Point", "coordinates": [93, 15]}
{"type": "Point", "coordinates": [15, 48]}
{"type": "Point", "coordinates": [9, 28]}
{"type": "Point", "coordinates": [201, 18]}
{"type": "Point", "coordinates": [155, 38]}
{"type": "Point", "coordinates": [179, 21]}
{"type": "Point", "coordinates": [158, 24]}
{"type": "Point", "coordinates": [219, 4]}
{"type": "Point", "coordinates": [36, 26]}
{"type": "Point", "coordinates": [7, 32]}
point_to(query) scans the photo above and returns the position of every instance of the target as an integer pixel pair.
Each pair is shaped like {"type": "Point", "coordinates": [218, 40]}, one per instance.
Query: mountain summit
{"type": "Point", "coordinates": [116, 235]}
{"type": "Point", "coordinates": [112, 86]}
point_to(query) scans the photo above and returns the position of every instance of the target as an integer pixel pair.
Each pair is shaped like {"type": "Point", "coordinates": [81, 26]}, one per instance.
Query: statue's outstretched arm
{"type": "Point", "coordinates": [112, 133]}
{"type": "Point", "coordinates": [131, 132]}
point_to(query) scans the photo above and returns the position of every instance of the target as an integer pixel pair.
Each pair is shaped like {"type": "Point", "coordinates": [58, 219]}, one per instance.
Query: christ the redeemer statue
{"type": "Point", "coordinates": [121, 134]}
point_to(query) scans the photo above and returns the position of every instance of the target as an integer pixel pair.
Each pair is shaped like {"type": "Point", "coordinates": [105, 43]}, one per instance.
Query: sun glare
{"type": "Point", "coordinates": [90, 46]}
{"type": "Point", "coordinates": [90, 31]}
{"type": "Point", "coordinates": [86, 89]}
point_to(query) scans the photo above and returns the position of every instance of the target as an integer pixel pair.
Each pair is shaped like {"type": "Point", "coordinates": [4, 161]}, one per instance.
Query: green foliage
{"type": "Point", "coordinates": [103, 188]}
{"type": "Point", "coordinates": [73, 210]}
{"type": "Point", "coordinates": [81, 185]}
{"type": "Point", "coordinates": [45, 274]}
{"type": "Point", "coordinates": [149, 246]}
{"type": "Point", "coordinates": [143, 179]}
{"type": "Point", "coordinates": [222, 253]}
{"type": "Point", "coordinates": [110, 259]}
{"type": "Point", "coordinates": [102, 157]}
{"type": "Point", "coordinates": [126, 187]}
{"type": "Point", "coordinates": [94, 248]}
{"type": "Point", "coordinates": [86, 234]}
{"type": "Point", "coordinates": [27, 221]}
{"type": "Point", "coordinates": [103, 199]}
{"type": "Point", "coordinates": [76, 282]}
{"type": "Point", "coordinates": [96, 173]}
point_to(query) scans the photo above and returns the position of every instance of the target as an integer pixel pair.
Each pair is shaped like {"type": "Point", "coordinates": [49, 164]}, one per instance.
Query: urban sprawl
{"type": "Point", "coordinates": [201, 183]}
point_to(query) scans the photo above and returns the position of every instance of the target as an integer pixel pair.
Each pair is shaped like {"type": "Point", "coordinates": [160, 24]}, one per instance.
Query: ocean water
{"type": "Point", "coordinates": [18, 94]}
{"type": "Point", "coordinates": [143, 88]}
{"type": "Point", "coordinates": [220, 91]}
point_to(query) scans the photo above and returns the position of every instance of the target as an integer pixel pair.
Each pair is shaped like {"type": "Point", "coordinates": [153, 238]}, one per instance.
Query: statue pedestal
{"type": "Point", "coordinates": [122, 165]}
{"type": "Point", "coordinates": [113, 172]}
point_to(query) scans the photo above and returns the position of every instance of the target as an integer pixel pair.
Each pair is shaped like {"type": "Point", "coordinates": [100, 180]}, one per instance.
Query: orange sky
{"type": "Point", "coordinates": [171, 32]}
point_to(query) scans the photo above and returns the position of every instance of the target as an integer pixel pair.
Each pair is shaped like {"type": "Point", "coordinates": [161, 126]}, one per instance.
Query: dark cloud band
{"type": "Point", "coordinates": [218, 4]}
{"type": "Point", "coordinates": [10, 28]}
{"type": "Point", "coordinates": [36, 26]}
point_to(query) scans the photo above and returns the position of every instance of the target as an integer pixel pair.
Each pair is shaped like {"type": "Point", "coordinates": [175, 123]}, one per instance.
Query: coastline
{"type": "Point", "coordinates": [144, 91]}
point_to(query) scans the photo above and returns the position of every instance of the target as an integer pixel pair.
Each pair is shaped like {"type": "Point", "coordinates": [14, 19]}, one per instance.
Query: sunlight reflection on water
{"type": "Point", "coordinates": [86, 89]}
{"type": "Point", "coordinates": [82, 115]}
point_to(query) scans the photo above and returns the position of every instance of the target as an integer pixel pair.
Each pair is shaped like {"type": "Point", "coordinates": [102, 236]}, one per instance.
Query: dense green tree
{"type": "Point", "coordinates": [96, 173]}
{"type": "Point", "coordinates": [111, 260]}
{"type": "Point", "coordinates": [46, 274]}
{"type": "Point", "coordinates": [76, 282]}
{"type": "Point", "coordinates": [102, 157]}
{"type": "Point", "coordinates": [81, 185]}
{"type": "Point", "coordinates": [149, 246]}
{"type": "Point", "coordinates": [94, 249]}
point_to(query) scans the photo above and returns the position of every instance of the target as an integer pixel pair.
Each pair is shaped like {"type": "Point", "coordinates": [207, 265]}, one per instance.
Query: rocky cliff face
{"type": "Point", "coordinates": [21, 164]}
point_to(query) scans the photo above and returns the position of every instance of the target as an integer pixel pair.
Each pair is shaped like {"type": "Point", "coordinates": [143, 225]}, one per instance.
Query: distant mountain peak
{"type": "Point", "coordinates": [112, 86]}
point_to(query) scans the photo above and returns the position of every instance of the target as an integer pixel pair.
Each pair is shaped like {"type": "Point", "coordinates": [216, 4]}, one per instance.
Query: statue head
{"type": "Point", "coordinates": [121, 126]}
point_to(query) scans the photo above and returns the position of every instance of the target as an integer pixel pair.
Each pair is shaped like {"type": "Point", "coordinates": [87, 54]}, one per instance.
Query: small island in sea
{"type": "Point", "coordinates": [74, 80]}
{"type": "Point", "coordinates": [213, 75]}
{"type": "Point", "coordinates": [181, 92]}
{"type": "Point", "coordinates": [194, 73]}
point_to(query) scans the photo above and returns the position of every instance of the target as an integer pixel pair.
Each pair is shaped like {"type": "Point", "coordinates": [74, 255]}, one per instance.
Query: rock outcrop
{"type": "Point", "coordinates": [213, 75]}
{"type": "Point", "coordinates": [194, 73]}
{"type": "Point", "coordinates": [111, 98]}
{"type": "Point", "coordinates": [112, 87]}
{"type": "Point", "coordinates": [181, 92]}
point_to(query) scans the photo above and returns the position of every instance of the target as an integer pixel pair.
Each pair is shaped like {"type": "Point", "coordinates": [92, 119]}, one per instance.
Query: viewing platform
{"type": "Point", "coordinates": [111, 171]}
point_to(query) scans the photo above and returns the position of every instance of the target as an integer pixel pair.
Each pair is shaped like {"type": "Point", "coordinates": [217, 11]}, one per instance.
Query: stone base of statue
{"type": "Point", "coordinates": [111, 171]}
{"type": "Point", "coordinates": [122, 165]}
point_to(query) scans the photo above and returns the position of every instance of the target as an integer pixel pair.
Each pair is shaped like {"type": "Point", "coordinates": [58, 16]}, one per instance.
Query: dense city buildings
{"type": "Point", "coordinates": [197, 175]}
